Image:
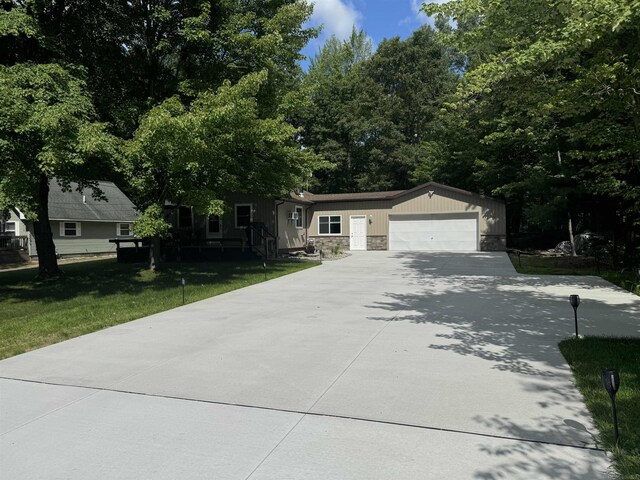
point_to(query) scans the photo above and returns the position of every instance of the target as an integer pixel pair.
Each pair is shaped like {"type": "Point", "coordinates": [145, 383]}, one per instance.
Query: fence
{"type": "Point", "coordinates": [14, 243]}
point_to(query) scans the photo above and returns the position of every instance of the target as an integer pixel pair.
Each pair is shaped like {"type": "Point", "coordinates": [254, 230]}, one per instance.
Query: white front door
{"type": "Point", "coordinates": [358, 231]}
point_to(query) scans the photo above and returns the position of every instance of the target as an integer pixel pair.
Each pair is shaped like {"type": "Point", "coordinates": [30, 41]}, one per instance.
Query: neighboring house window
{"type": "Point", "coordinates": [299, 220]}
{"type": "Point", "coordinates": [8, 228]}
{"type": "Point", "coordinates": [69, 229]}
{"type": "Point", "coordinates": [124, 229]}
{"type": "Point", "coordinates": [243, 215]}
{"type": "Point", "coordinates": [329, 224]}
{"type": "Point", "coordinates": [185, 217]}
{"type": "Point", "coordinates": [214, 226]}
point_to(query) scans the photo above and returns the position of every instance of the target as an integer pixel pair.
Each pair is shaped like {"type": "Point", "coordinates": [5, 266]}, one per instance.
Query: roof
{"type": "Point", "coordinates": [302, 197]}
{"type": "Point", "coordinates": [81, 206]}
{"type": "Point", "coordinates": [389, 195]}
{"type": "Point", "coordinates": [352, 197]}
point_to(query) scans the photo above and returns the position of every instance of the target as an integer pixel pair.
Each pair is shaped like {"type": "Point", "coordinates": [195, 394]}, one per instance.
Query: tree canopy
{"type": "Point", "coordinates": [550, 104]}
{"type": "Point", "coordinates": [176, 100]}
{"type": "Point", "coordinates": [372, 115]}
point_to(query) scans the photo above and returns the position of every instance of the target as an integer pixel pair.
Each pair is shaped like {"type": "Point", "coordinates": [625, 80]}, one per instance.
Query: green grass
{"type": "Point", "coordinates": [541, 265]}
{"type": "Point", "coordinates": [587, 357]}
{"type": "Point", "coordinates": [99, 294]}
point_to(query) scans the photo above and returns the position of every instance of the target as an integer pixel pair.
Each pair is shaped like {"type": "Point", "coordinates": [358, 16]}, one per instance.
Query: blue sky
{"type": "Point", "coordinates": [379, 18]}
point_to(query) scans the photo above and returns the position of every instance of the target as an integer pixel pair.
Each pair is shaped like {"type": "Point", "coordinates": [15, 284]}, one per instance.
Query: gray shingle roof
{"type": "Point", "coordinates": [72, 206]}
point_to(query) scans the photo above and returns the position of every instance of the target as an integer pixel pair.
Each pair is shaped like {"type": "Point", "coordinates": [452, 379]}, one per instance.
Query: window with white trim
{"type": "Point", "coordinates": [244, 215]}
{"type": "Point", "coordinates": [8, 228]}
{"type": "Point", "coordinates": [214, 226]}
{"type": "Point", "coordinates": [124, 230]}
{"type": "Point", "coordinates": [330, 225]}
{"type": "Point", "coordinates": [70, 229]}
{"type": "Point", "coordinates": [300, 219]}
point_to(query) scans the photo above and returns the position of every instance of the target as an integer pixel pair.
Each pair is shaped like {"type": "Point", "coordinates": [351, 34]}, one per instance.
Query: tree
{"type": "Point", "coordinates": [400, 92]}
{"type": "Point", "coordinates": [329, 118]}
{"type": "Point", "coordinates": [145, 64]}
{"type": "Point", "coordinates": [245, 52]}
{"type": "Point", "coordinates": [373, 116]}
{"type": "Point", "coordinates": [48, 123]}
{"type": "Point", "coordinates": [552, 88]}
{"type": "Point", "coordinates": [46, 130]}
{"type": "Point", "coordinates": [219, 144]}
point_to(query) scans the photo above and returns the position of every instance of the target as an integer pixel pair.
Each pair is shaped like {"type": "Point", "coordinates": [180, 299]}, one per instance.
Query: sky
{"type": "Point", "coordinates": [379, 18]}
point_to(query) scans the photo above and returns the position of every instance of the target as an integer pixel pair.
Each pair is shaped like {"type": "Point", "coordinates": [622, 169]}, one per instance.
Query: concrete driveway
{"type": "Point", "coordinates": [384, 365]}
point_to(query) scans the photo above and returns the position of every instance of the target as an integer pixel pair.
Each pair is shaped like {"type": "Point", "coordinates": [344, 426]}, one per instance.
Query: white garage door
{"type": "Point", "coordinates": [447, 232]}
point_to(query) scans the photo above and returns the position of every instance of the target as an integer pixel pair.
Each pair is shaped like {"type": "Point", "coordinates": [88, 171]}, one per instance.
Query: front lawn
{"type": "Point", "coordinates": [552, 265]}
{"type": "Point", "coordinates": [99, 294]}
{"type": "Point", "coordinates": [587, 358]}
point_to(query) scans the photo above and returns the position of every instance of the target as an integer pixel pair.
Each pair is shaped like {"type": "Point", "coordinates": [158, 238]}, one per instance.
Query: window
{"type": "Point", "coordinates": [299, 220]}
{"type": "Point", "coordinates": [185, 217]}
{"type": "Point", "coordinates": [124, 229]}
{"type": "Point", "coordinates": [243, 215]}
{"type": "Point", "coordinates": [329, 224]}
{"type": "Point", "coordinates": [214, 226]}
{"type": "Point", "coordinates": [69, 229]}
{"type": "Point", "coordinates": [8, 228]}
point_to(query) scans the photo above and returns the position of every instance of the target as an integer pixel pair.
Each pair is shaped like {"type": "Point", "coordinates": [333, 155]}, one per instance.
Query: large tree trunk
{"type": "Point", "coordinates": [46, 249]}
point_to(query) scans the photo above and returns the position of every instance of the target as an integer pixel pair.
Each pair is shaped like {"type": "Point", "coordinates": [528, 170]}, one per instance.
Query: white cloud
{"type": "Point", "coordinates": [420, 16]}
{"type": "Point", "coordinates": [337, 16]}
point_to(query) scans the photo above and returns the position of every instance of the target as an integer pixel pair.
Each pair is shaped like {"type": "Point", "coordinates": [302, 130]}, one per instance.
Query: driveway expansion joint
{"type": "Point", "coordinates": [302, 413]}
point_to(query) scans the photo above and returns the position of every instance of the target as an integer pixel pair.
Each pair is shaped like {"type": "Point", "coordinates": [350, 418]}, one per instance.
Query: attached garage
{"type": "Point", "coordinates": [444, 232]}
{"type": "Point", "coordinates": [430, 217]}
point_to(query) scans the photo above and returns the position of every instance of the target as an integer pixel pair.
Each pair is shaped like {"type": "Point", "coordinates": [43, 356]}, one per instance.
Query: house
{"type": "Point", "coordinates": [81, 224]}
{"type": "Point", "coordinates": [250, 222]}
{"type": "Point", "coordinates": [429, 217]}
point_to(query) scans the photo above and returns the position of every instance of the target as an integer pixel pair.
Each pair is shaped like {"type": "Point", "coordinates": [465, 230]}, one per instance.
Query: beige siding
{"type": "Point", "coordinates": [289, 236]}
{"type": "Point", "coordinates": [491, 213]}
{"type": "Point", "coordinates": [376, 212]}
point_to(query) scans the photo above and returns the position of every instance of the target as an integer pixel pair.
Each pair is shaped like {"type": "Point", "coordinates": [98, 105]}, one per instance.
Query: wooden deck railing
{"type": "Point", "coordinates": [14, 243]}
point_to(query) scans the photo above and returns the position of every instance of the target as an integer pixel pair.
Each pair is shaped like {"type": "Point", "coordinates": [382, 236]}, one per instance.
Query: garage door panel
{"type": "Point", "coordinates": [433, 232]}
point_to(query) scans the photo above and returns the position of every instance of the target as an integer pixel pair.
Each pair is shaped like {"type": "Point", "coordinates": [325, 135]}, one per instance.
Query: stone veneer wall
{"type": "Point", "coordinates": [493, 243]}
{"type": "Point", "coordinates": [377, 242]}
{"type": "Point", "coordinates": [488, 243]}
{"type": "Point", "coordinates": [374, 242]}
{"type": "Point", "coordinates": [329, 242]}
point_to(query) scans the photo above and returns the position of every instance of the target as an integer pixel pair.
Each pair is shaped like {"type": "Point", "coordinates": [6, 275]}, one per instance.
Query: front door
{"type": "Point", "coordinates": [358, 229]}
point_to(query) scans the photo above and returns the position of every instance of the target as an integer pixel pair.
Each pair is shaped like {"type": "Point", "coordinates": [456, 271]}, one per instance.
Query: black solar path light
{"type": "Point", "coordinates": [575, 301]}
{"type": "Point", "coordinates": [264, 266]}
{"type": "Point", "coordinates": [183, 284]}
{"type": "Point", "coordinates": [611, 383]}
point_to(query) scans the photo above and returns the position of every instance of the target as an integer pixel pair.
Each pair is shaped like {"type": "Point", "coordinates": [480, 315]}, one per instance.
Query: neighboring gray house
{"type": "Point", "coordinates": [81, 225]}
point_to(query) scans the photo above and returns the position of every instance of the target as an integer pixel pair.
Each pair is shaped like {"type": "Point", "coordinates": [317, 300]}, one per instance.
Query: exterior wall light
{"type": "Point", "coordinates": [575, 302]}
{"type": "Point", "coordinates": [611, 383]}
